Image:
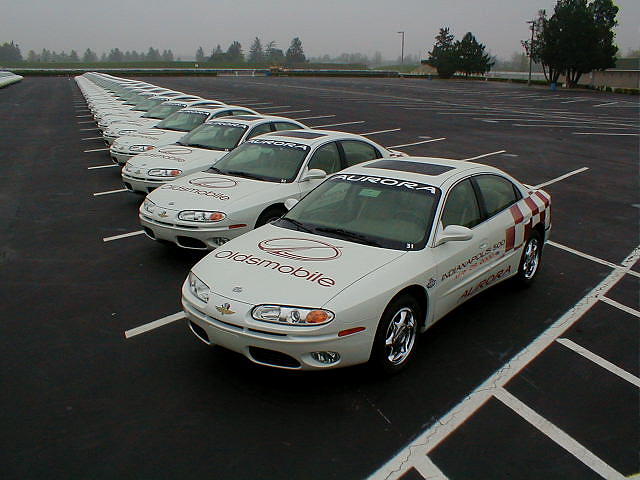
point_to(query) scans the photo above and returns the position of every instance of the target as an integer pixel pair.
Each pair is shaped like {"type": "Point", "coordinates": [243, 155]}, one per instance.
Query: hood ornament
{"type": "Point", "coordinates": [224, 309]}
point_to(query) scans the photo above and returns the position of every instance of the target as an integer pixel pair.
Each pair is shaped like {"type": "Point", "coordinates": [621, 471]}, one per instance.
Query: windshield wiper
{"type": "Point", "coordinates": [215, 170]}
{"type": "Point", "coordinates": [359, 238]}
{"type": "Point", "coordinates": [301, 226]}
{"type": "Point", "coordinates": [238, 173]}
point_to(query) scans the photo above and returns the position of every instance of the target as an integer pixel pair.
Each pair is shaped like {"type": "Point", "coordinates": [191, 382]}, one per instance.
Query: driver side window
{"type": "Point", "coordinates": [462, 206]}
{"type": "Point", "coordinates": [326, 158]}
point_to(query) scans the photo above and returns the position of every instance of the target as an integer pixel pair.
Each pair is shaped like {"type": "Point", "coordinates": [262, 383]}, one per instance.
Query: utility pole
{"type": "Point", "coordinates": [402, 49]}
{"type": "Point", "coordinates": [532, 23]}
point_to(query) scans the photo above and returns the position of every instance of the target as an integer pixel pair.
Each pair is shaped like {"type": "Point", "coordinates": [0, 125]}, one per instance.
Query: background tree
{"type": "Point", "coordinates": [273, 54]}
{"type": "Point", "coordinates": [73, 56]}
{"type": "Point", "coordinates": [199, 55]}
{"type": "Point", "coordinates": [217, 55]}
{"type": "Point", "coordinates": [153, 55]}
{"type": "Point", "coordinates": [295, 53]}
{"type": "Point", "coordinates": [115, 55]}
{"type": "Point", "coordinates": [32, 57]}
{"type": "Point", "coordinates": [442, 57]}
{"type": "Point", "coordinates": [10, 52]}
{"type": "Point", "coordinates": [471, 57]}
{"type": "Point", "coordinates": [167, 56]}
{"type": "Point", "coordinates": [89, 56]}
{"type": "Point", "coordinates": [256, 54]}
{"type": "Point", "coordinates": [234, 53]}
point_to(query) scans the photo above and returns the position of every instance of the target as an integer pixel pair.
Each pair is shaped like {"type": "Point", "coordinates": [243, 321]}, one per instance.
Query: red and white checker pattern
{"type": "Point", "coordinates": [527, 213]}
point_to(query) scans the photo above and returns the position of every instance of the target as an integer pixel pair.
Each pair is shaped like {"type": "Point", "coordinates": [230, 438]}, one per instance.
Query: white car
{"type": "Point", "coordinates": [248, 187]}
{"type": "Point", "coordinates": [374, 255]}
{"type": "Point", "coordinates": [143, 104]}
{"type": "Point", "coordinates": [151, 118]}
{"type": "Point", "coordinates": [170, 130]}
{"type": "Point", "coordinates": [197, 150]}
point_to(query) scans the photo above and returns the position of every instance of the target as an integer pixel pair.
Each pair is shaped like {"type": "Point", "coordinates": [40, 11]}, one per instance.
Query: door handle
{"type": "Point", "coordinates": [484, 245]}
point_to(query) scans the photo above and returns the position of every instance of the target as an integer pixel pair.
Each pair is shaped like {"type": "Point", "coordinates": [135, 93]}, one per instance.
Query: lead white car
{"type": "Point", "coordinates": [170, 130]}
{"type": "Point", "coordinates": [248, 186]}
{"type": "Point", "coordinates": [365, 261]}
{"type": "Point", "coordinates": [198, 150]}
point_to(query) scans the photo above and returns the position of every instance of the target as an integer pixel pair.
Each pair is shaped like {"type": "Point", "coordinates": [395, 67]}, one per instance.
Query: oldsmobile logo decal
{"type": "Point", "coordinates": [177, 150]}
{"type": "Point", "coordinates": [215, 182]}
{"type": "Point", "coordinates": [304, 249]}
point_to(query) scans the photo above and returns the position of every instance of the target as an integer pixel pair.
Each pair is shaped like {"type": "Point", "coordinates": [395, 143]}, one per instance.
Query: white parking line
{"type": "Point", "coordinates": [289, 111]}
{"type": "Point", "coordinates": [418, 143]}
{"type": "Point", "coordinates": [111, 165]}
{"type": "Point", "coordinates": [578, 100]}
{"type": "Point", "coordinates": [337, 124]}
{"type": "Point", "coordinates": [459, 414]}
{"type": "Point", "coordinates": [620, 306]}
{"type": "Point", "coordinates": [313, 118]}
{"type": "Point", "coordinates": [252, 104]}
{"type": "Point", "coordinates": [109, 192]}
{"type": "Point", "coordinates": [97, 150]}
{"type": "Point", "coordinates": [560, 437]}
{"type": "Point", "coordinates": [562, 177]}
{"type": "Point", "coordinates": [603, 133]}
{"type": "Point", "coordinates": [124, 235]}
{"type": "Point", "coordinates": [380, 131]}
{"type": "Point", "coordinates": [83, 116]}
{"type": "Point", "coordinates": [153, 325]}
{"type": "Point", "coordinates": [86, 121]}
{"type": "Point", "coordinates": [89, 129]}
{"type": "Point", "coordinates": [483, 155]}
{"type": "Point", "coordinates": [598, 360]}
{"type": "Point", "coordinates": [274, 106]}
{"type": "Point", "coordinates": [590, 257]}
{"type": "Point", "coordinates": [605, 104]}
{"type": "Point", "coordinates": [91, 138]}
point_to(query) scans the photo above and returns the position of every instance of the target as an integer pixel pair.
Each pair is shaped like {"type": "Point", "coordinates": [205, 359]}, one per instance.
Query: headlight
{"type": "Point", "coordinates": [201, 216]}
{"type": "Point", "coordinates": [164, 172]}
{"type": "Point", "coordinates": [198, 287]}
{"type": "Point", "coordinates": [291, 315]}
{"type": "Point", "coordinates": [148, 206]}
{"type": "Point", "coordinates": [141, 148]}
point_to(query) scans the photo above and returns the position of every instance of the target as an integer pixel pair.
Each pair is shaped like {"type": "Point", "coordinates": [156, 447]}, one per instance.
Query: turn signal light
{"type": "Point", "coordinates": [350, 331]}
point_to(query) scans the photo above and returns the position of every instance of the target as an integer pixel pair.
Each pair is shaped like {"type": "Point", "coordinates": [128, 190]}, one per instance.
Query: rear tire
{"type": "Point", "coordinates": [269, 215]}
{"type": "Point", "coordinates": [530, 261]}
{"type": "Point", "coordinates": [395, 342]}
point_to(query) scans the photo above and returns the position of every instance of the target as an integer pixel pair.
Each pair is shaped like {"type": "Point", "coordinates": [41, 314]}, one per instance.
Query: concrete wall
{"type": "Point", "coordinates": [613, 79]}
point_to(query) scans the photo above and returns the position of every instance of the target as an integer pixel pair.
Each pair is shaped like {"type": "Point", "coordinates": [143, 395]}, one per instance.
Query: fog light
{"type": "Point", "coordinates": [218, 241]}
{"type": "Point", "coordinates": [325, 357]}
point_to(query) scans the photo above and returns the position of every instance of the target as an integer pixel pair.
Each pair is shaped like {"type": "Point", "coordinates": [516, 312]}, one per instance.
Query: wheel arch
{"type": "Point", "coordinates": [276, 206]}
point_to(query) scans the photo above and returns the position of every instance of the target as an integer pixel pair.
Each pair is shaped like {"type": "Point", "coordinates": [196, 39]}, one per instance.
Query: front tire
{"type": "Point", "coordinates": [395, 341]}
{"type": "Point", "coordinates": [530, 261]}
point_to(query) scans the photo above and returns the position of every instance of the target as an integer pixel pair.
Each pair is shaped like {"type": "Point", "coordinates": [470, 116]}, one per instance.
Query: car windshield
{"type": "Point", "coordinates": [269, 160]}
{"type": "Point", "coordinates": [149, 103]}
{"type": "Point", "coordinates": [215, 136]}
{"type": "Point", "coordinates": [377, 211]}
{"type": "Point", "coordinates": [162, 111]}
{"type": "Point", "coordinates": [182, 121]}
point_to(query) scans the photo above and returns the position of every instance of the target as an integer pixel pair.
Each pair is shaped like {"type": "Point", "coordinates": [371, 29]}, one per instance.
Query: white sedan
{"type": "Point", "coordinates": [248, 187]}
{"type": "Point", "coordinates": [197, 150]}
{"type": "Point", "coordinates": [374, 255]}
{"type": "Point", "coordinates": [170, 130]}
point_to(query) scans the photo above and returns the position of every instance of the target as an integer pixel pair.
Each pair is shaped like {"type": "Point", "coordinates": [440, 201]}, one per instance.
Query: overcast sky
{"type": "Point", "coordinates": [324, 26]}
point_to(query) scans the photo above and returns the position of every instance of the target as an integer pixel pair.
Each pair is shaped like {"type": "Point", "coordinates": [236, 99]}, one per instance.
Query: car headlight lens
{"type": "Point", "coordinates": [141, 148]}
{"type": "Point", "coordinates": [198, 287]}
{"type": "Point", "coordinates": [291, 315]}
{"type": "Point", "coordinates": [148, 206]}
{"type": "Point", "coordinates": [201, 216]}
{"type": "Point", "coordinates": [164, 172]}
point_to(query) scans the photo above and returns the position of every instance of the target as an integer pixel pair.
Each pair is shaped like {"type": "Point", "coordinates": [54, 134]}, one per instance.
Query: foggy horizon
{"type": "Point", "coordinates": [331, 28]}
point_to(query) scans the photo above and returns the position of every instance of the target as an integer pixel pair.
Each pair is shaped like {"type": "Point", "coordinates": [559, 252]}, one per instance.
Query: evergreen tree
{"type": "Point", "coordinates": [115, 55]}
{"type": "Point", "coordinates": [256, 54]}
{"type": "Point", "coordinates": [89, 56]}
{"type": "Point", "coordinates": [443, 56]}
{"type": "Point", "coordinates": [10, 52]}
{"type": "Point", "coordinates": [471, 57]}
{"type": "Point", "coordinates": [32, 57]}
{"type": "Point", "coordinates": [234, 53]}
{"type": "Point", "coordinates": [217, 55]}
{"type": "Point", "coordinates": [73, 56]}
{"type": "Point", "coordinates": [167, 56]}
{"type": "Point", "coordinates": [153, 55]}
{"type": "Point", "coordinates": [199, 55]}
{"type": "Point", "coordinates": [273, 54]}
{"type": "Point", "coordinates": [295, 53]}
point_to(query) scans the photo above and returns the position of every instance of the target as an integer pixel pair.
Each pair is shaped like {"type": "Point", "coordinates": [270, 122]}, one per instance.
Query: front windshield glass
{"type": "Point", "coordinates": [148, 104]}
{"type": "Point", "coordinates": [269, 160]}
{"type": "Point", "coordinates": [183, 121]}
{"type": "Point", "coordinates": [162, 111]}
{"type": "Point", "coordinates": [377, 211]}
{"type": "Point", "coordinates": [215, 136]}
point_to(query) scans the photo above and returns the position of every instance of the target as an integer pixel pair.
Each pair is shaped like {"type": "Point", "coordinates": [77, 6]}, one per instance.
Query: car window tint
{"type": "Point", "coordinates": [224, 113]}
{"type": "Point", "coordinates": [497, 193]}
{"type": "Point", "coordinates": [357, 152]}
{"type": "Point", "coordinates": [461, 207]}
{"type": "Point", "coordinates": [259, 130]}
{"type": "Point", "coordinates": [285, 126]}
{"type": "Point", "coordinates": [326, 158]}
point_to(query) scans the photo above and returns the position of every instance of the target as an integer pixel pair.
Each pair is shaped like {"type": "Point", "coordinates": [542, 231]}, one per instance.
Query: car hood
{"type": "Point", "coordinates": [156, 137]}
{"type": "Point", "coordinates": [187, 159]}
{"type": "Point", "coordinates": [285, 267]}
{"type": "Point", "coordinates": [207, 191]}
{"type": "Point", "coordinates": [139, 124]}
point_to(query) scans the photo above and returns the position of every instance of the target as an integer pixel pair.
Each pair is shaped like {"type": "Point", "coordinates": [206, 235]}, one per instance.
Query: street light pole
{"type": "Point", "coordinates": [532, 23]}
{"type": "Point", "coordinates": [402, 49]}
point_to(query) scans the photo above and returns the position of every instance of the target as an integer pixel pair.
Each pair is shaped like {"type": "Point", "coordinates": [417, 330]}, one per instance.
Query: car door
{"type": "Point", "coordinates": [459, 263]}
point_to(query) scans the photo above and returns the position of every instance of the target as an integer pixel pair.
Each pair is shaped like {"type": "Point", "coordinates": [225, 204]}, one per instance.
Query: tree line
{"type": "Point", "coordinates": [258, 54]}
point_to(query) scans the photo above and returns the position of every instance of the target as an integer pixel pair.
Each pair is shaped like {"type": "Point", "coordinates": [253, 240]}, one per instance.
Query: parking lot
{"type": "Point", "coordinates": [102, 380]}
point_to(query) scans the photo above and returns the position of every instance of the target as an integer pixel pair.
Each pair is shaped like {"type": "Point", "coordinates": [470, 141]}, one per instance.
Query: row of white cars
{"type": "Point", "coordinates": [329, 250]}
{"type": "Point", "coordinates": [8, 78]}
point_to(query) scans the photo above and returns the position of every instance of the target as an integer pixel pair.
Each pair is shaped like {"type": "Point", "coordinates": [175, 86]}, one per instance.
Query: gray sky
{"type": "Point", "coordinates": [324, 26]}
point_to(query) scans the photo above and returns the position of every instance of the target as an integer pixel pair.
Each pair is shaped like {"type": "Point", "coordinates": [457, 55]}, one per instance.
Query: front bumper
{"type": "Point", "coordinates": [143, 185]}
{"type": "Point", "coordinates": [192, 237]}
{"type": "Point", "coordinates": [119, 157]}
{"type": "Point", "coordinates": [266, 346]}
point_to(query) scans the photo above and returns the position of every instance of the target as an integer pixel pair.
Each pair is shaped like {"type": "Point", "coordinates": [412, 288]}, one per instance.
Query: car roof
{"type": "Point", "coordinates": [431, 170]}
{"type": "Point", "coordinates": [250, 120]}
{"type": "Point", "coordinates": [311, 136]}
{"type": "Point", "coordinates": [211, 108]}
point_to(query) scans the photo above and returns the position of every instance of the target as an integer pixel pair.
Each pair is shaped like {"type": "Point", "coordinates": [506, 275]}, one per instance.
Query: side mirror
{"type": "Point", "coordinates": [314, 174]}
{"type": "Point", "coordinates": [454, 233]}
{"type": "Point", "coordinates": [289, 203]}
